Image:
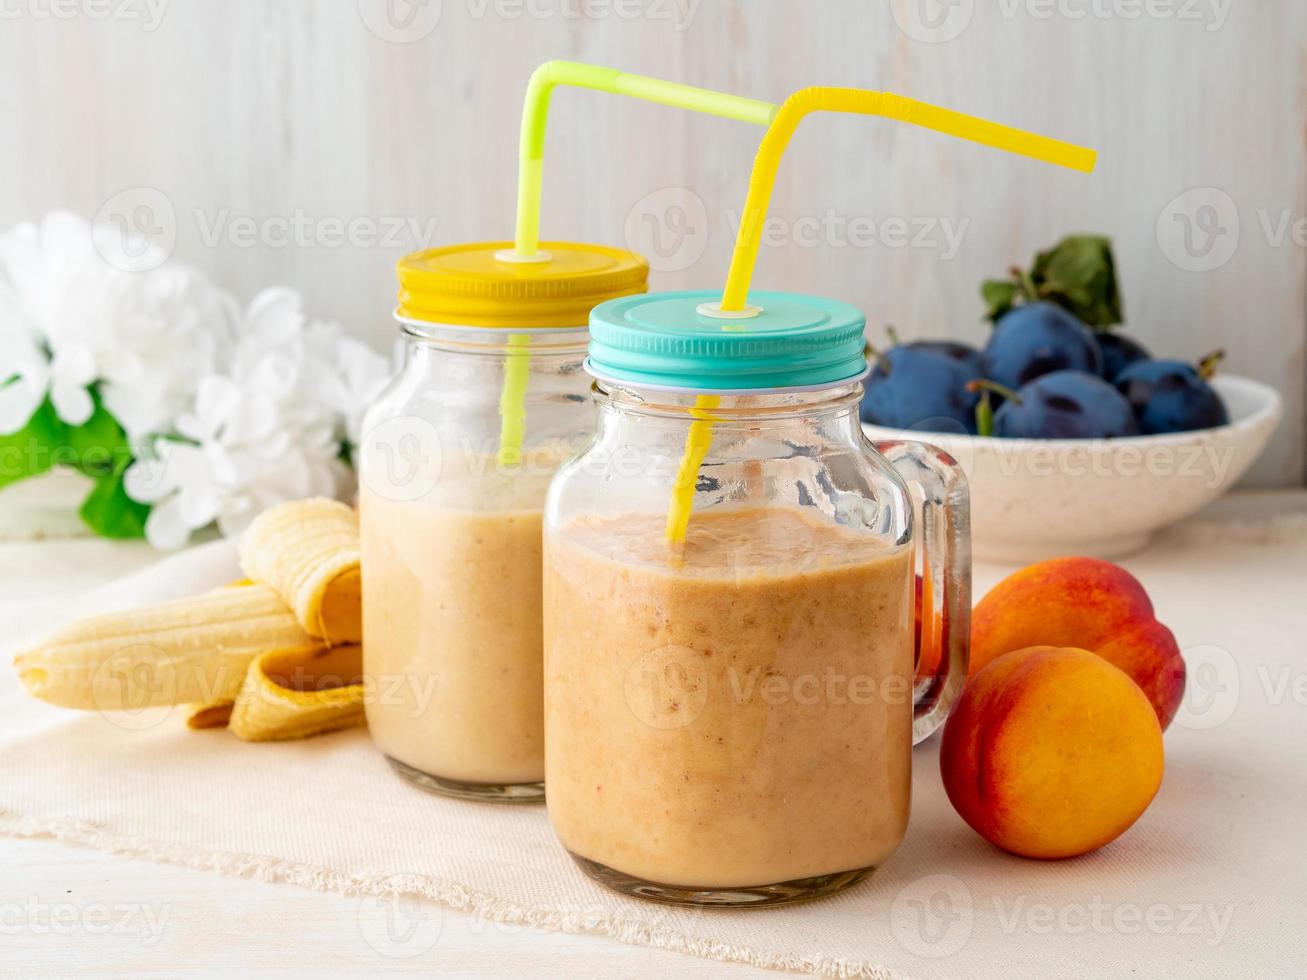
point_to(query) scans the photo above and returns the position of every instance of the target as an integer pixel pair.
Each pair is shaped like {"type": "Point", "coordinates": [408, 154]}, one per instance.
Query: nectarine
{"type": "Point", "coordinates": [1051, 752]}
{"type": "Point", "coordinates": [1086, 603]}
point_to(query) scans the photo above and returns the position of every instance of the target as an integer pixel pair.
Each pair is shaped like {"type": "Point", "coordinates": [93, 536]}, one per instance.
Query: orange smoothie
{"type": "Point", "coordinates": [740, 717]}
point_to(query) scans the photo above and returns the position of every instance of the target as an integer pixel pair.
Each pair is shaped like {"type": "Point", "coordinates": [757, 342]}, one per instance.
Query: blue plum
{"type": "Point", "coordinates": [912, 388]}
{"type": "Point", "coordinates": [1172, 396]}
{"type": "Point", "coordinates": [1118, 352]}
{"type": "Point", "coordinates": [1065, 405]}
{"type": "Point", "coordinates": [1037, 339]}
{"type": "Point", "coordinates": [964, 354]}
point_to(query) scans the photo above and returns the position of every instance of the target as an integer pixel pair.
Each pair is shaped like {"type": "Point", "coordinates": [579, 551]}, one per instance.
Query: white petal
{"type": "Point", "coordinates": [165, 528]}
{"type": "Point", "coordinates": [215, 400]}
{"type": "Point", "coordinates": [18, 400]}
{"type": "Point", "coordinates": [199, 505]}
{"type": "Point", "coordinates": [190, 467]}
{"type": "Point", "coordinates": [74, 363]}
{"type": "Point", "coordinates": [72, 402]}
{"type": "Point", "coordinates": [148, 480]}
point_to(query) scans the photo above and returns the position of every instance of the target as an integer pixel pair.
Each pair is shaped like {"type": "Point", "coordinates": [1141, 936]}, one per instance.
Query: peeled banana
{"type": "Point", "coordinates": [308, 552]}
{"type": "Point", "coordinates": [274, 656]}
{"type": "Point", "coordinates": [196, 649]}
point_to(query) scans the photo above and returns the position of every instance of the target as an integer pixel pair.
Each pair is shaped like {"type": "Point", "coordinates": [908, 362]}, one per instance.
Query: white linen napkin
{"type": "Point", "coordinates": [1211, 881]}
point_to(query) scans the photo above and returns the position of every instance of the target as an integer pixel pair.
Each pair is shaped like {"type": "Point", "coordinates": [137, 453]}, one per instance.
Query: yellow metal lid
{"type": "Point", "coordinates": [469, 285]}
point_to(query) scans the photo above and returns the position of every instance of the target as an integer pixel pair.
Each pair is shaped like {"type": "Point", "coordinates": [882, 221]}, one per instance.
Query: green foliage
{"type": "Point", "coordinates": [1079, 274]}
{"type": "Point", "coordinates": [98, 448]}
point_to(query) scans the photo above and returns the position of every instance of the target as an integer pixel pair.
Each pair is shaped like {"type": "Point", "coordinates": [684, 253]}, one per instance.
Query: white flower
{"type": "Point", "coordinates": [245, 455]}
{"type": "Point", "coordinates": [145, 337]}
{"type": "Point", "coordinates": [269, 430]}
{"type": "Point", "coordinates": [230, 413]}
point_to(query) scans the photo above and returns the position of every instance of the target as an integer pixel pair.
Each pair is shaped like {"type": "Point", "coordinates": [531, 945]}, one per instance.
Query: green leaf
{"type": "Point", "coordinates": [1079, 273]}
{"type": "Point", "coordinates": [33, 449]}
{"type": "Point", "coordinates": [98, 447]}
{"type": "Point", "coordinates": [1000, 295]}
{"type": "Point", "coordinates": [110, 513]}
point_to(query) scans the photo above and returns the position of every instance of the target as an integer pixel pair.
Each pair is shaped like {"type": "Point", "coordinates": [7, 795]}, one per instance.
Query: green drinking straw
{"type": "Point", "coordinates": [530, 175]}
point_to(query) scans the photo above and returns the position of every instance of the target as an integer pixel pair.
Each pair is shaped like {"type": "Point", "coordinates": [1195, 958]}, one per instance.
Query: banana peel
{"type": "Point", "coordinates": [296, 694]}
{"type": "Point", "coordinates": [308, 552]}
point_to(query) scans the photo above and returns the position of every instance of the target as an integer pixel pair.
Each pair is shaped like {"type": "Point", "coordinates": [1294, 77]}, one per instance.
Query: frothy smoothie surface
{"type": "Point", "coordinates": [739, 717]}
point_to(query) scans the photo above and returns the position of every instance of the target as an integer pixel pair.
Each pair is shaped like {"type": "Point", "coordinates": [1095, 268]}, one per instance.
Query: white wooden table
{"type": "Point", "coordinates": [65, 910]}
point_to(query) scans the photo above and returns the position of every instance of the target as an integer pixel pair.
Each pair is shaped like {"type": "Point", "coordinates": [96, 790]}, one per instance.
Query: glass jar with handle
{"type": "Point", "coordinates": [731, 698]}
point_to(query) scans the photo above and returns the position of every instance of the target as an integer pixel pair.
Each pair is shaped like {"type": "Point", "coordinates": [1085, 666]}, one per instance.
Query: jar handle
{"type": "Point", "coordinates": [943, 600]}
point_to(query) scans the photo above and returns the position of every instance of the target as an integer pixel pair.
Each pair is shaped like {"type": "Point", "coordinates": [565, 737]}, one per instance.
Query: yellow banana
{"type": "Point", "coordinates": [295, 694]}
{"type": "Point", "coordinates": [308, 552]}
{"type": "Point", "coordinates": [195, 649]}
{"type": "Point", "coordinates": [214, 715]}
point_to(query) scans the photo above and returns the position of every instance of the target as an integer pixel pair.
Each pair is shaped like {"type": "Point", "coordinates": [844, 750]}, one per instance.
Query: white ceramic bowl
{"type": "Point", "coordinates": [1040, 498]}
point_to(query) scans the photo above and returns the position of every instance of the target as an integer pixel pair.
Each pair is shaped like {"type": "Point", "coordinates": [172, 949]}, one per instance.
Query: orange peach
{"type": "Point", "coordinates": [1051, 752]}
{"type": "Point", "coordinates": [1087, 603]}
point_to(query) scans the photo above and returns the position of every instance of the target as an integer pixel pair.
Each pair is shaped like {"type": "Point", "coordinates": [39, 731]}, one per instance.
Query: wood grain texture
{"type": "Point", "coordinates": [251, 110]}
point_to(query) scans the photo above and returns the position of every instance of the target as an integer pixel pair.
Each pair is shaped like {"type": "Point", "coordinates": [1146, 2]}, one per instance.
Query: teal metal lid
{"type": "Point", "coordinates": [664, 340]}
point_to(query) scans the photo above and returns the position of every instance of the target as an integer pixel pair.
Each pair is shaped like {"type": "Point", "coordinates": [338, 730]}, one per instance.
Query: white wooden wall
{"type": "Point", "coordinates": [246, 110]}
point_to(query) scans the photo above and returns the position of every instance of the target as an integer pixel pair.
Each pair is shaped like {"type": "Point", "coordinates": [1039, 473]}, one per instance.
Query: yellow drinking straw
{"type": "Point", "coordinates": [763, 179]}
{"type": "Point", "coordinates": [530, 175]}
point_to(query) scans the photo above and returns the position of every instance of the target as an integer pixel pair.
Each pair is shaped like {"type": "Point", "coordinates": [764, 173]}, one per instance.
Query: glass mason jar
{"type": "Point", "coordinates": [455, 460]}
{"type": "Point", "coordinates": [729, 717]}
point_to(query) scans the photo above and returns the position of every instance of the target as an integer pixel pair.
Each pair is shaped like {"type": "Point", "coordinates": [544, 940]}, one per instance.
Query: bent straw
{"type": "Point", "coordinates": [530, 176]}
{"type": "Point", "coordinates": [763, 179]}
{"type": "Point", "coordinates": [535, 116]}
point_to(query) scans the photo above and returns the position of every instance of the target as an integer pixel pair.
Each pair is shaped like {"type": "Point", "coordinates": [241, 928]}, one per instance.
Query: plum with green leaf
{"type": "Point", "coordinates": [1078, 274]}
{"type": "Point", "coordinates": [1036, 339]}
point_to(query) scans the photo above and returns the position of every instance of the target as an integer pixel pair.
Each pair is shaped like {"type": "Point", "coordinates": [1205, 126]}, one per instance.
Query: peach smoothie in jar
{"type": "Point", "coordinates": [454, 464]}
{"type": "Point", "coordinates": [741, 717]}
{"type": "Point", "coordinates": [731, 698]}
{"type": "Point", "coordinates": [452, 635]}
